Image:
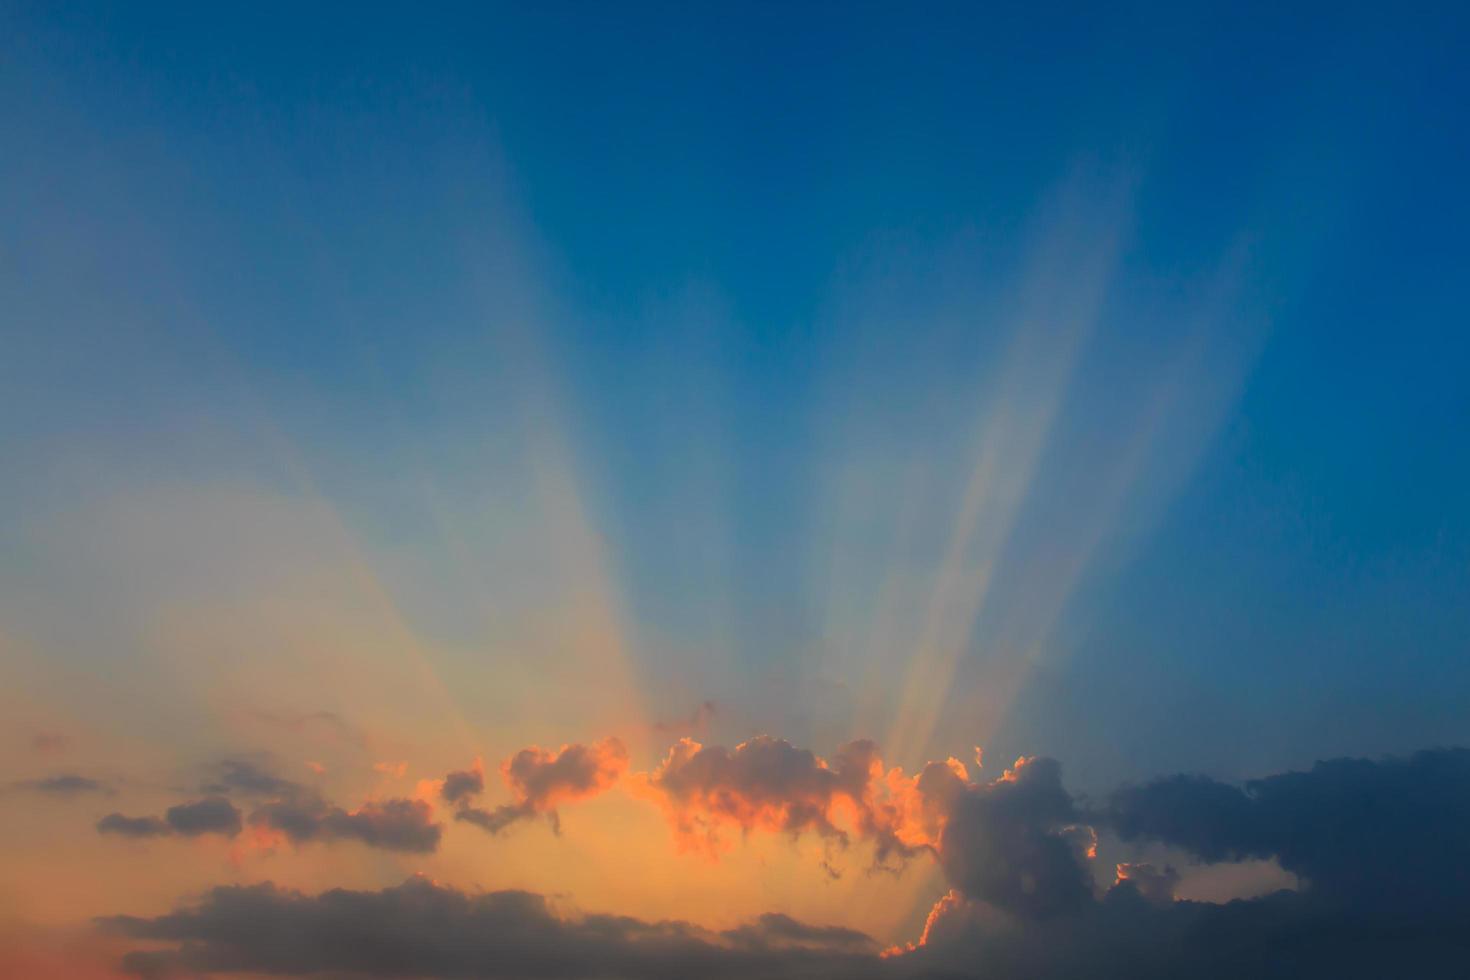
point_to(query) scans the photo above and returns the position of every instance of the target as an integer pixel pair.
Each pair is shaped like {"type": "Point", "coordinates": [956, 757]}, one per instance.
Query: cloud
{"type": "Point", "coordinates": [116, 823]}
{"type": "Point", "coordinates": [541, 780]}
{"type": "Point", "coordinates": [767, 784]}
{"type": "Point", "coordinates": [65, 784]}
{"type": "Point", "coordinates": [1016, 843]}
{"type": "Point", "coordinates": [239, 776]}
{"type": "Point", "coordinates": [211, 815]}
{"type": "Point", "coordinates": [291, 811]}
{"type": "Point", "coordinates": [1386, 832]}
{"type": "Point", "coordinates": [1383, 898]}
{"type": "Point", "coordinates": [392, 825]}
{"type": "Point", "coordinates": [1152, 884]}
{"type": "Point", "coordinates": [464, 784]}
{"type": "Point", "coordinates": [420, 929]}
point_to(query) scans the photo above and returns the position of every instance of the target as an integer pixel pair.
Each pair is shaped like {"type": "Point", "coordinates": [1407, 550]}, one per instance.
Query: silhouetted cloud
{"type": "Point", "coordinates": [464, 784]}
{"type": "Point", "coordinates": [211, 815]}
{"type": "Point", "coordinates": [298, 813]}
{"type": "Point", "coordinates": [1391, 831]}
{"type": "Point", "coordinates": [1016, 843]}
{"type": "Point", "coordinates": [116, 823]}
{"type": "Point", "coordinates": [246, 778]}
{"type": "Point", "coordinates": [393, 825]}
{"type": "Point", "coordinates": [419, 929]}
{"type": "Point", "coordinates": [65, 784]}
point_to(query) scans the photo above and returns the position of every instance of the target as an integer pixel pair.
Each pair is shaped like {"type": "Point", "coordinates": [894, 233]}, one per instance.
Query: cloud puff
{"type": "Point", "coordinates": [392, 825]}
{"type": "Point", "coordinates": [541, 780]}
{"type": "Point", "coordinates": [1016, 843]}
{"type": "Point", "coordinates": [211, 815]}
{"type": "Point", "coordinates": [420, 929]}
{"type": "Point", "coordinates": [464, 784]}
{"type": "Point", "coordinates": [768, 784]}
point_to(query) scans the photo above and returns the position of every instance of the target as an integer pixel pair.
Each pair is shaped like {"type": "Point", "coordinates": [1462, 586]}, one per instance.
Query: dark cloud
{"type": "Point", "coordinates": [116, 823]}
{"type": "Point", "coordinates": [497, 819]}
{"type": "Point", "coordinates": [1385, 832]}
{"type": "Point", "coordinates": [66, 784]}
{"type": "Point", "coordinates": [1016, 843]}
{"type": "Point", "coordinates": [248, 779]}
{"type": "Point", "coordinates": [393, 825]}
{"type": "Point", "coordinates": [419, 929]}
{"type": "Point", "coordinates": [211, 815]}
{"type": "Point", "coordinates": [296, 812]}
{"type": "Point", "coordinates": [462, 785]}
{"type": "Point", "coordinates": [541, 780]}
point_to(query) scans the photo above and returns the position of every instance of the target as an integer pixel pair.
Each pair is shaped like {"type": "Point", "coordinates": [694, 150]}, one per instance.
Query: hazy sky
{"type": "Point", "coordinates": [383, 389]}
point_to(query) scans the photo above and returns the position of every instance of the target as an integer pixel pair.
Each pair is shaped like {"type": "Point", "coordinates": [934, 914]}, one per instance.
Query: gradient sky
{"type": "Point", "coordinates": [383, 389]}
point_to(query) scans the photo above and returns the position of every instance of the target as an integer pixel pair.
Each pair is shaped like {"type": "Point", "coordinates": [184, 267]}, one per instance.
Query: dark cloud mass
{"type": "Point", "coordinates": [1016, 844]}
{"type": "Point", "coordinates": [1381, 846]}
{"type": "Point", "coordinates": [1388, 832]}
{"type": "Point", "coordinates": [393, 825]}
{"type": "Point", "coordinates": [211, 815]}
{"type": "Point", "coordinates": [420, 929]}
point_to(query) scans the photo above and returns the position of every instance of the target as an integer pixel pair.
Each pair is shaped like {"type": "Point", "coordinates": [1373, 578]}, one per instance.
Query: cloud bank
{"type": "Point", "coordinates": [1380, 847]}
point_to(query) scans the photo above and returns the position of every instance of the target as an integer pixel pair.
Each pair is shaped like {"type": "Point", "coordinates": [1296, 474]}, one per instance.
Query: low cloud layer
{"type": "Point", "coordinates": [1380, 847]}
{"type": "Point", "coordinates": [421, 929]}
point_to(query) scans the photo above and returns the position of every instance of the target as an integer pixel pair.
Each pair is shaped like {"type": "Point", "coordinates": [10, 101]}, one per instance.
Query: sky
{"type": "Point", "coordinates": [557, 490]}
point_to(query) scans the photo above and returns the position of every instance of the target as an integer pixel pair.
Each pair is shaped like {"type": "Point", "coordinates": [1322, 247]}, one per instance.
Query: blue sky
{"type": "Point", "coordinates": [716, 323]}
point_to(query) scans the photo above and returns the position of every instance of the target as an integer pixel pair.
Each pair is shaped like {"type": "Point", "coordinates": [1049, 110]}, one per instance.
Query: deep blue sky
{"type": "Point", "coordinates": [762, 274]}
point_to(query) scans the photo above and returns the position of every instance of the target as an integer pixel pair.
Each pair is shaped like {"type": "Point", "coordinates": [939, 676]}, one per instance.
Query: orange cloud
{"type": "Point", "coordinates": [541, 780]}
{"type": "Point", "coordinates": [767, 784]}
